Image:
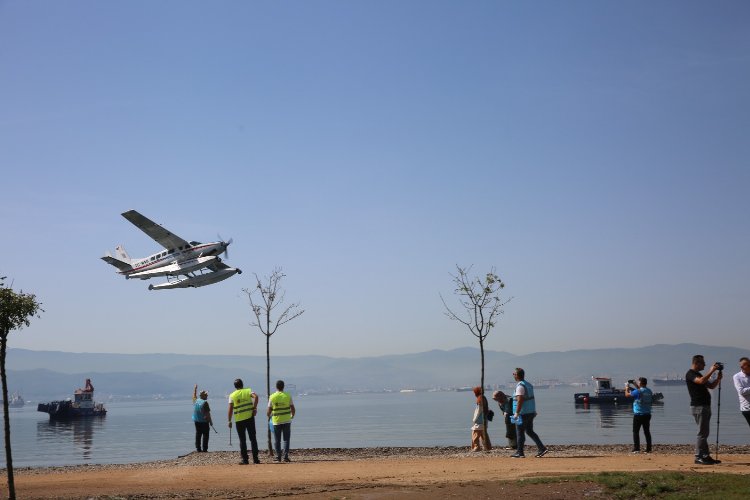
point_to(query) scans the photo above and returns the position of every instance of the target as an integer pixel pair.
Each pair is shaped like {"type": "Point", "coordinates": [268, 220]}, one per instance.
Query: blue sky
{"type": "Point", "coordinates": [595, 153]}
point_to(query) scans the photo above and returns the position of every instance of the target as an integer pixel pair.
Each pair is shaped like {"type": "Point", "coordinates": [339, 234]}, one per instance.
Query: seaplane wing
{"type": "Point", "coordinates": [154, 230]}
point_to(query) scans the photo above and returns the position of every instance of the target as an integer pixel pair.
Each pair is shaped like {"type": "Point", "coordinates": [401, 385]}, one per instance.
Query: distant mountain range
{"type": "Point", "coordinates": [52, 374]}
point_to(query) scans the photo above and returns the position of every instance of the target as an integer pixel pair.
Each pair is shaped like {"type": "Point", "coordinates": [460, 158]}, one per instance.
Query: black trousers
{"type": "Point", "coordinates": [746, 414]}
{"type": "Point", "coordinates": [201, 433]}
{"type": "Point", "coordinates": [638, 422]}
{"type": "Point", "coordinates": [248, 426]}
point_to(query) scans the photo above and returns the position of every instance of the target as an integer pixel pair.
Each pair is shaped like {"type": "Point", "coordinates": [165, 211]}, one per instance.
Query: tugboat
{"type": "Point", "coordinates": [82, 406]}
{"type": "Point", "coordinates": [606, 394]}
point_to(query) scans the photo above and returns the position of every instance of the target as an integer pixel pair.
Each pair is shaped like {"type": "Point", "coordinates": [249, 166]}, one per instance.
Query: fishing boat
{"type": "Point", "coordinates": [606, 394]}
{"type": "Point", "coordinates": [81, 406]}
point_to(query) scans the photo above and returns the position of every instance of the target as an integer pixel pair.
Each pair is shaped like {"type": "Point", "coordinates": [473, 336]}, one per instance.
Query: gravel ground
{"type": "Point", "coordinates": [384, 453]}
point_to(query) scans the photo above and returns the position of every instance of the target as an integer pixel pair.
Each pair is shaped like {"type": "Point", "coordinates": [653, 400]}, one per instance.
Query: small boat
{"type": "Point", "coordinates": [81, 406]}
{"type": "Point", "coordinates": [606, 394]}
{"type": "Point", "coordinates": [16, 401]}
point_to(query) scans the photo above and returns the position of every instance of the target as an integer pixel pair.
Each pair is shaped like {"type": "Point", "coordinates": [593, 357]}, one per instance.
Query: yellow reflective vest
{"type": "Point", "coordinates": [242, 404]}
{"type": "Point", "coordinates": [281, 410]}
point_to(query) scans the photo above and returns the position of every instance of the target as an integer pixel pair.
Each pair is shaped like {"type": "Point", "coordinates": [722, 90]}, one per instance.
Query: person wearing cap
{"type": "Point", "coordinates": [201, 419]}
{"type": "Point", "coordinates": [506, 407]}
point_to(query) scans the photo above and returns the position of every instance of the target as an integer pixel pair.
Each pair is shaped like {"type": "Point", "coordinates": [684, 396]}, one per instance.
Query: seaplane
{"type": "Point", "coordinates": [186, 264]}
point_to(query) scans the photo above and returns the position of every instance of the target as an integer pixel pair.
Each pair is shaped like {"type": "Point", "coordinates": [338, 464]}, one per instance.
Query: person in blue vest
{"type": "Point", "coordinates": [524, 412]}
{"type": "Point", "coordinates": [201, 418]}
{"type": "Point", "coordinates": [281, 412]}
{"type": "Point", "coordinates": [643, 397]}
{"type": "Point", "coordinates": [243, 404]}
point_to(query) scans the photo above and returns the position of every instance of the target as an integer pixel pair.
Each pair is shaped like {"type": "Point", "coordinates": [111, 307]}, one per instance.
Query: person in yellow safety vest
{"type": "Point", "coordinates": [281, 411]}
{"type": "Point", "coordinates": [243, 404]}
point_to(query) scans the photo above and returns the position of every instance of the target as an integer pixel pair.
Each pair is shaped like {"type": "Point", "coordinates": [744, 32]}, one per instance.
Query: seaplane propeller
{"type": "Point", "coordinates": [225, 244]}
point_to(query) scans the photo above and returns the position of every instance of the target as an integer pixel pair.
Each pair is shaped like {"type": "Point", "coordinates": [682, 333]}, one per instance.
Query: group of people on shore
{"type": "Point", "coordinates": [243, 408]}
{"type": "Point", "coordinates": [519, 410]}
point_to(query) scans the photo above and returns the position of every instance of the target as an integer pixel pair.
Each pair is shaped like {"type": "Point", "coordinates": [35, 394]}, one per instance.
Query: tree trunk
{"type": "Point", "coordinates": [8, 455]}
{"type": "Point", "coordinates": [268, 390]}
{"type": "Point", "coordinates": [487, 445]}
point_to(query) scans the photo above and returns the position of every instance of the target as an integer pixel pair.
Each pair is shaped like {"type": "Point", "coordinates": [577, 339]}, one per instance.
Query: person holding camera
{"type": "Point", "coordinates": [742, 384]}
{"type": "Point", "coordinates": [700, 404]}
{"type": "Point", "coordinates": [642, 399]}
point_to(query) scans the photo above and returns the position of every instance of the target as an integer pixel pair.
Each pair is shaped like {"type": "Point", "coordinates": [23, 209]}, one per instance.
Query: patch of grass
{"type": "Point", "coordinates": [667, 485]}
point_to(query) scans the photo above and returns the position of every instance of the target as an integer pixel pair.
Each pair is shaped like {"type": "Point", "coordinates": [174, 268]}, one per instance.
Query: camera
{"type": "Point", "coordinates": [631, 382]}
{"type": "Point", "coordinates": [719, 366]}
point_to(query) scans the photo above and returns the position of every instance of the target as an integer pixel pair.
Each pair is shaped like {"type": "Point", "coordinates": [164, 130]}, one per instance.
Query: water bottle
{"type": "Point", "coordinates": [517, 421]}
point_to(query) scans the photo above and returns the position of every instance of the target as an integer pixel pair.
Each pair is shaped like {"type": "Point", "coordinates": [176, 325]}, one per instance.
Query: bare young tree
{"type": "Point", "coordinates": [480, 299]}
{"type": "Point", "coordinates": [271, 296]}
{"type": "Point", "coordinates": [16, 311]}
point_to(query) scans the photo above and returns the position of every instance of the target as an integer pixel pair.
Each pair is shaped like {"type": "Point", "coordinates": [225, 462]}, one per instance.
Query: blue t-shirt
{"type": "Point", "coordinates": [642, 402]}
{"type": "Point", "coordinates": [200, 410]}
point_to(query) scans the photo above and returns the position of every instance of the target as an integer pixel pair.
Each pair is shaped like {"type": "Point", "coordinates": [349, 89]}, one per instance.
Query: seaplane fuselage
{"type": "Point", "coordinates": [180, 260]}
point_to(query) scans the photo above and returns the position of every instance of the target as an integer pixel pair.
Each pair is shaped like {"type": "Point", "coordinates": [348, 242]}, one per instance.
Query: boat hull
{"type": "Point", "coordinates": [65, 410]}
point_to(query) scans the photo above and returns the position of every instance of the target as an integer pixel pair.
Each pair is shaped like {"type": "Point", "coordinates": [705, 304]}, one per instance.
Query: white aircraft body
{"type": "Point", "coordinates": [184, 263]}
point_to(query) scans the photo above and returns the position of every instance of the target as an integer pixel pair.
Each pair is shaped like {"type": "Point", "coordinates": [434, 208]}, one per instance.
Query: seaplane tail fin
{"type": "Point", "coordinates": [119, 263]}
{"type": "Point", "coordinates": [122, 254]}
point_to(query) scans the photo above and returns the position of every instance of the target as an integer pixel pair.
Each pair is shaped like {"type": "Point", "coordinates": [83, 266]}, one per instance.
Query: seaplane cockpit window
{"type": "Point", "coordinates": [194, 243]}
{"type": "Point", "coordinates": [171, 251]}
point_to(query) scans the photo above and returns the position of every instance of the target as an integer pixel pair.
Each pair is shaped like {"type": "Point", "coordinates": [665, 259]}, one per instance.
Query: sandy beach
{"type": "Point", "coordinates": [363, 473]}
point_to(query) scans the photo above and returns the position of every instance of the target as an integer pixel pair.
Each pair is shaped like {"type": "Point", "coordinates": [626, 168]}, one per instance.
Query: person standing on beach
{"type": "Point", "coordinates": [700, 404]}
{"type": "Point", "coordinates": [281, 411]}
{"type": "Point", "coordinates": [506, 408]}
{"type": "Point", "coordinates": [243, 404]}
{"type": "Point", "coordinates": [742, 384]}
{"type": "Point", "coordinates": [642, 399]}
{"type": "Point", "coordinates": [479, 436]}
{"type": "Point", "coordinates": [524, 412]}
{"type": "Point", "coordinates": [201, 418]}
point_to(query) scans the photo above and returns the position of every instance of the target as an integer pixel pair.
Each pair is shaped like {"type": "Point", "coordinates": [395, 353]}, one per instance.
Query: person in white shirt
{"type": "Point", "coordinates": [742, 384]}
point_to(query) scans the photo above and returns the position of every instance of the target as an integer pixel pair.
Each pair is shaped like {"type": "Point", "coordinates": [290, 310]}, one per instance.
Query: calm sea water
{"type": "Point", "coordinates": [154, 430]}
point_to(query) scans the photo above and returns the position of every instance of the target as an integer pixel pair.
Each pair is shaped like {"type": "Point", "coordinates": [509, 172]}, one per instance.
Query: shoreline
{"type": "Point", "coordinates": [307, 455]}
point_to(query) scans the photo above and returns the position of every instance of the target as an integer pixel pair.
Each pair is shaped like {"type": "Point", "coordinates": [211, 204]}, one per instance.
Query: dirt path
{"type": "Point", "coordinates": [369, 477]}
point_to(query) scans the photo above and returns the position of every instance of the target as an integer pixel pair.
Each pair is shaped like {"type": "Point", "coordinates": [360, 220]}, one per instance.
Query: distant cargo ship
{"type": "Point", "coordinates": [668, 381]}
{"type": "Point", "coordinates": [82, 406]}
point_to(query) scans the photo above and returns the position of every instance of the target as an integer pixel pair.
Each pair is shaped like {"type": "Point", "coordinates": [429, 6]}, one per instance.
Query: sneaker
{"type": "Point", "coordinates": [256, 461]}
{"type": "Point", "coordinates": [286, 459]}
{"type": "Point", "coordinates": [635, 452]}
{"type": "Point", "coordinates": [277, 459]}
{"type": "Point", "coordinates": [518, 455]}
{"type": "Point", "coordinates": [541, 453]}
{"type": "Point", "coordinates": [244, 462]}
{"type": "Point", "coordinates": [705, 461]}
